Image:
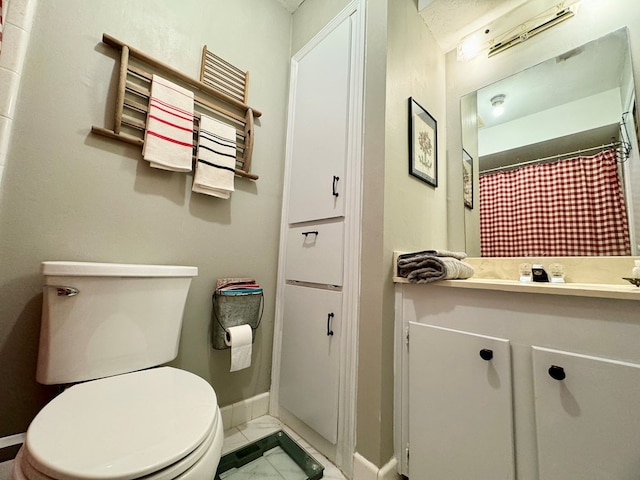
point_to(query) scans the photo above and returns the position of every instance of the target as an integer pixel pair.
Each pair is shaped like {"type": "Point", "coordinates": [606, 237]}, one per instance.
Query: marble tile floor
{"type": "Point", "coordinates": [261, 427]}
{"type": "Point", "coordinates": [275, 464]}
{"type": "Point", "coordinates": [242, 435]}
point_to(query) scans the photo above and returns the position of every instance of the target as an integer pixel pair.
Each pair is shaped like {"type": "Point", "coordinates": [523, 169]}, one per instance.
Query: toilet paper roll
{"type": "Point", "coordinates": [239, 339]}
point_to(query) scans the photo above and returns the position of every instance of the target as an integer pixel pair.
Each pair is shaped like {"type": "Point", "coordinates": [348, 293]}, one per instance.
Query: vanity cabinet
{"type": "Point", "coordinates": [587, 416]}
{"type": "Point", "coordinates": [558, 400]}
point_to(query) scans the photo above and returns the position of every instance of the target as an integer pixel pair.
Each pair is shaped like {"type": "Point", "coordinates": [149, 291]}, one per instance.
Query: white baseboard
{"type": "Point", "coordinates": [389, 471]}
{"type": "Point", "coordinates": [363, 469]}
{"type": "Point", "coordinates": [245, 410]}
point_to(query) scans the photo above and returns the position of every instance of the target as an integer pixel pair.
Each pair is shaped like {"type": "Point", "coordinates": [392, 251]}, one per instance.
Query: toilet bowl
{"type": "Point", "coordinates": [158, 424]}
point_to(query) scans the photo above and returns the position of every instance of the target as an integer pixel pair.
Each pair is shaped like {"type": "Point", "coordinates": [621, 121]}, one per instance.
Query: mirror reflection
{"type": "Point", "coordinates": [559, 172]}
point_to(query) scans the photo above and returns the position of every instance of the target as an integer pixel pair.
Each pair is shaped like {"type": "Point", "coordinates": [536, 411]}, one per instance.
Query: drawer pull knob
{"type": "Point", "coordinates": [486, 354]}
{"type": "Point", "coordinates": [329, 331]}
{"type": "Point", "coordinates": [335, 186]}
{"type": "Point", "coordinates": [557, 373]}
{"type": "Point", "coordinates": [313, 232]}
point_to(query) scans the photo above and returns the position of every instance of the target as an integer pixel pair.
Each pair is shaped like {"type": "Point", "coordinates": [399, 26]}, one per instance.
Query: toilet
{"type": "Point", "coordinates": [107, 329]}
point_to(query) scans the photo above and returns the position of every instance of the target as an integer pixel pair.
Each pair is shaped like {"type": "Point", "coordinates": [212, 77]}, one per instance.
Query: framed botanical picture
{"type": "Point", "coordinates": [467, 179]}
{"type": "Point", "coordinates": [423, 144]}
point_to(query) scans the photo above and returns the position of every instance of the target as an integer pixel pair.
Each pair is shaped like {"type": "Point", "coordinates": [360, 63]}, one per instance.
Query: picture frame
{"type": "Point", "coordinates": [423, 144]}
{"type": "Point", "coordinates": [467, 179]}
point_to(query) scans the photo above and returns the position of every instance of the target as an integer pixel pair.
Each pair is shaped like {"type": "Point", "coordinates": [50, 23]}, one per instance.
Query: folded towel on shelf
{"type": "Point", "coordinates": [216, 158]}
{"type": "Point", "coordinates": [420, 267]}
{"type": "Point", "coordinates": [242, 283]}
{"type": "Point", "coordinates": [168, 138]}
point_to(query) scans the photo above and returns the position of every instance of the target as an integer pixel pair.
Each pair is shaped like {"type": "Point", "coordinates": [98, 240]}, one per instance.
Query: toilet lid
{"type": "Point", "coordinates": [122, 427]}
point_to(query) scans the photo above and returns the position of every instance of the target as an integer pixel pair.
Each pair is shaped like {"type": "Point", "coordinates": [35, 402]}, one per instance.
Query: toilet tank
{"type": "Point", "coordinates": [103, 319]}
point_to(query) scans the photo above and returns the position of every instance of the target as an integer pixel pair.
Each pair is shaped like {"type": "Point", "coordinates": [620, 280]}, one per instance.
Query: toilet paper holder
{"type": "Point", "coordinates": [232, 310]}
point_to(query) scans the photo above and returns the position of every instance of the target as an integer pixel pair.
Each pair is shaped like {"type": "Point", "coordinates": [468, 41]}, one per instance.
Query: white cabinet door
{"type": "Point", "coordinates": [461, 413]}
{"type": "Point", "coordinates": [319, 129]}
{"type": "Point", "coordinates": [315, 253]}
{"type": "Point", "coordinates": [587, 417]}
{"type": "Point", "coordinates": [310, 357]}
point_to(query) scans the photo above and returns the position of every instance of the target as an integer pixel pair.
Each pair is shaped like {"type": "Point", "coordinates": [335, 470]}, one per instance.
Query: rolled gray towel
{"type": "Point", "coordinates": [432, 253]}
{"type": "Point", "coordinates": [428, 269]}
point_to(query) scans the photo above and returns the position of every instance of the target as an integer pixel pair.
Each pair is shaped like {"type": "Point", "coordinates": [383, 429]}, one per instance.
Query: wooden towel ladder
{"type": "Point", "coordinates": [132, 103]}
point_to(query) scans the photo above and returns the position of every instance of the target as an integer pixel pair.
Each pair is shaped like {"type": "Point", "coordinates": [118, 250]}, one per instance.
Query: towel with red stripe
{"type": "Point", "coordinates": [168, 139]}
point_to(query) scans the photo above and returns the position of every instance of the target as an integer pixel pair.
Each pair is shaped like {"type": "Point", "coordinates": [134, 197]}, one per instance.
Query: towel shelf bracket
{"type": "Point", "coordinates": [132, 98]}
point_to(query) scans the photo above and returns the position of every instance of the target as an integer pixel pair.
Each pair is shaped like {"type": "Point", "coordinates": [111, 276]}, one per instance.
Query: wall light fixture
{"type": "Point", "coordinates": [500, 35]}
{"type": "Point", "coordinates": [539, 25]}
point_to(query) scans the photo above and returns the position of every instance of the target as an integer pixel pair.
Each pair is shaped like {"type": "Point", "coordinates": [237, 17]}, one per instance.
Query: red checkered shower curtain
{"type": "Point", "coordinates": [572, 207]}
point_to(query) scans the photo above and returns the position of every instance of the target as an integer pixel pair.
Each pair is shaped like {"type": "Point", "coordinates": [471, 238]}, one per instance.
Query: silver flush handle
{"type": "Point", "coordinates": [64, 291]}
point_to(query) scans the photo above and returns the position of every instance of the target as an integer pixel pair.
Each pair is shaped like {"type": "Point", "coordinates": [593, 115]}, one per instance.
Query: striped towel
{"type": "Point", "coordinates": [168, 138]}
{"type": "Point", "coordinates": [215, 167]}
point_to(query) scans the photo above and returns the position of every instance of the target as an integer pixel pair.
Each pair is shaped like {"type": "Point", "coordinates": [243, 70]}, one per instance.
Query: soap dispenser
{"type": "Point", "coordinates": [539, 273]}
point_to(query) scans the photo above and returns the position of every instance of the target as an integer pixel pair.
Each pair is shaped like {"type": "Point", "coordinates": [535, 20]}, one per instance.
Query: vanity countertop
{"type": "Point", "coordinates": [601, 277]}
{"type": "Point", "coordinates": [594, 290]}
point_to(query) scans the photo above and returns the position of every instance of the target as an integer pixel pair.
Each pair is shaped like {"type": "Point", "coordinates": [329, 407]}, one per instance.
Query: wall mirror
{"type": "Point", "coordinates": [548, 118]}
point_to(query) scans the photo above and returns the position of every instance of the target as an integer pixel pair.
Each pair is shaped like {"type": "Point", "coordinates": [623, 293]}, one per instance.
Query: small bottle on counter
{"type": "Point", "coordinates": [557, 272]}
{"type": "Point", "coordinates": [525, 272]}
{"type": "Point", "coordinates": [635, 273]}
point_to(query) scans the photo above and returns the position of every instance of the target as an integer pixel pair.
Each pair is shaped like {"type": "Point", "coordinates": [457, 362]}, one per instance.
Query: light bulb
{"type": "Point", "coordinates": [468, 48]}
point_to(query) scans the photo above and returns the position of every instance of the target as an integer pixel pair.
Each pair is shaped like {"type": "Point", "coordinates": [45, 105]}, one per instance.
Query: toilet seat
{"type": "Point", "coordinates": [29, 472]}
{"type": "Point", "coordinates": [154, 424]}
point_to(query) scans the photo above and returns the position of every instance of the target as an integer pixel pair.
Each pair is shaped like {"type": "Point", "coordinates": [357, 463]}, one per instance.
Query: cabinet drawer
{"type": "Point", "coordinates": [315, 253]}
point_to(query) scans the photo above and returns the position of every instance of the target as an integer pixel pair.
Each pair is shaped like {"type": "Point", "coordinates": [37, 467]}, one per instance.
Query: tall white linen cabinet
{"type": "Point", "coordinates": [318, 277]}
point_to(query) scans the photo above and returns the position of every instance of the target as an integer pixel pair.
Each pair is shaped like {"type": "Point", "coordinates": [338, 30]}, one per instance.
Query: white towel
{"type": "Point", "coordinates": [216, 158]}
{"type": "Point", "coordinates": [168, 138]}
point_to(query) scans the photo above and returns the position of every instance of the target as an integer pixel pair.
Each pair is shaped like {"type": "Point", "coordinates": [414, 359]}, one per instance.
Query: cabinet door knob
{"type": "Point", "coordinates": [486, 354]}
{"type": "Point", "coordinates": [335, 186]}
{"type": "Point", "coordinates": [557, 373]}
{"type": "Point", "coordinates": [314, 232]}
{"type": "Point", "coordinates": [329, 331]}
